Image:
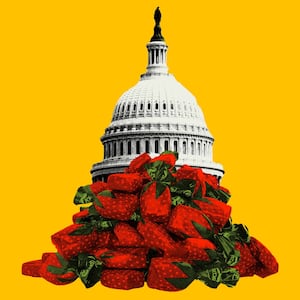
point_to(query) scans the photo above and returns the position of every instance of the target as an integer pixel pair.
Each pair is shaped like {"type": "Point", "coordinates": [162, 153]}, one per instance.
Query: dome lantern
{"type": "Point", "coordinates": [157, 50]}
{"type": "Point", "coordinates": [155, 115]}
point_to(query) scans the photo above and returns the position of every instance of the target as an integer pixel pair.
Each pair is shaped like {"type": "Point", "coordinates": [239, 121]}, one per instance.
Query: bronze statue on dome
{"type": "Point", "coordinates": [157, 30]}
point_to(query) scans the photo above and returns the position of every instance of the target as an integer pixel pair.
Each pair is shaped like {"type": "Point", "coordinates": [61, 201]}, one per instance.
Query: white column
{"type": "Point", "coordinates": [142, 145]}
{"type": "Point", "coordinates": [151, 145]}
{"type": "Point", "coordinates": [161, 145]}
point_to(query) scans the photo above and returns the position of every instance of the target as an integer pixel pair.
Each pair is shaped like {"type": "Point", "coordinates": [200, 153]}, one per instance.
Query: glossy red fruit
{"type": "Point", "coordinates": [69, 245]}
{"type": "Point", "coordinates": [247, 263]}
{"type": "Point", "coordinates": [156, 237]}
{"type": "Point", "coordinates": [61, 279]}
{"type": "Point", "coordinates": [122, 279]}
{"type": "Point", "coordinates": [196, 248]}
{"type": "Point", "coordinates": [129, 183]}
{"type": "Point", "coordinates": [182, 218]}
{"type": "Point", "coordinates": [119, 208]}
{"type": "Point", "coordinates": [127, 236]}
{"type": "Point", "coordinates": [123, 258]}
{"type": "Point", "coordinates": [168, 158]}
{"type": "Point", "coordinates": [137, 164]}
{"type": "Point", "coordinates": [32, 268]}
{"type": "Point", "coordinates": [156, 209]}
{"type": "Point", "coordinates": [266, 263]}
{"type": "Point", "coordinates": [218, 212]}
{"type": "Point", "coordinates": [98, 187]}
{"type": "Point", "coordinates": [160, 270]}
{"type": "Point", "coordinates": [187, 172]}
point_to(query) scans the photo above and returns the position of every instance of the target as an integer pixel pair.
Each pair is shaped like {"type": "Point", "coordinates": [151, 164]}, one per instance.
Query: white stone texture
{"type": "Point", "coordinates": [161, 112]}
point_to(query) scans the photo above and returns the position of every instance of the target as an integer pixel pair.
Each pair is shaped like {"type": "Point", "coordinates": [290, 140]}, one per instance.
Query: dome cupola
{"type": "Point", "coordinates": [155, 115]}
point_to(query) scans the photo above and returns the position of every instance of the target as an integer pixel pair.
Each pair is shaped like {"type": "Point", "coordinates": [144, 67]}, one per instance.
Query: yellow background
{"type": "Point", "coordinates": [64, 65]}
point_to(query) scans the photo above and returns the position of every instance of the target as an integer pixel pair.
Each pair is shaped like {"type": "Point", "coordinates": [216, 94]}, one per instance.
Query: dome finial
{"type": "Point", "coordinates": [157, 30]}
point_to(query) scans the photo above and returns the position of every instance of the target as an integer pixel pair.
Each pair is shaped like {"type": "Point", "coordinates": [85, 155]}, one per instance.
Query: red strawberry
{"type": "Point", "coordinates": [247, 263]}
{"type": "Point", "coordinates": [52, 260]}
{"type": "Point", "coordinates": [266, 263]}
{"type": "Point", "coordinates": [45, 255]}
{"type": "Point", "coordinates": [127, 236]}
{"type": "Point", "coordinates": [168, 158]}
{"type": "Point", "coordinates": [161, 269]}
{"type": "Point", "coordinates": [123, 258]}
{"type": "Point", "coordinates": [119, 208]}
{"type": "Point", "coordinates": [32, 268]}
{"type": "Point", "coordinates": [137, 164]}
{"type": "Point", "coordinates": [187, 172]}
{"type": "Point", "coordinates": [69, 245]}
{"type": "Point", "coordinates": [98, 186]}
{"type": "Point", "coordinates": [155, 209]}
{"type": "Point", "coordinates": [156, 237]}
{"type": "Point", "coordinates": [103, 239]}
{"type": "Point", "coordinates": [218, 212]}
{"type": "Point", "coordinates": [122, 279]}
{"type": "Point", "coordinates": [82, 214]}
{"type": "Point", "coordinates": [224, 190]}
{"type": "Point", "coordinates": [130, 183]}
{"type": "Point", "coordinates": [211, 180]}
{"type": "Point", "coordinates": [181, 221]}
{"type": "Point", "coordinates": [87, 193]}
{"type": "Point", "coordinates": [195, 248]}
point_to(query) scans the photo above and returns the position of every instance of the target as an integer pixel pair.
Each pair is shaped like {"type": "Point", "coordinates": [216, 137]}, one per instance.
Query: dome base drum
{"type": "Point", "coordinates": [155, 115]}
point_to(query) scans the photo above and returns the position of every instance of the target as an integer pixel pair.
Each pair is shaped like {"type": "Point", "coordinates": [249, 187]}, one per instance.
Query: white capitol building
{"type": "Point", "coordinates": [155, 115]}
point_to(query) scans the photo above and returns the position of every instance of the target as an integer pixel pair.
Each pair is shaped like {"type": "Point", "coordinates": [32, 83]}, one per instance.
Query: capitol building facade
{"type": "Point", "coordinates": [155, 115]}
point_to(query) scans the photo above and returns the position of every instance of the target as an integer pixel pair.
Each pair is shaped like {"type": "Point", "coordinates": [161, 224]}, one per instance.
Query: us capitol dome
{"type": "Point", "coordinates": [155, 115]}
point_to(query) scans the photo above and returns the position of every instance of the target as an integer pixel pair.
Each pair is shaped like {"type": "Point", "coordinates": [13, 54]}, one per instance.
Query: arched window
{"type": "Point", "coordinates": [128, 107]}
{"type": "Point", "coordinates": [204, 149]}
{"type": "Point", "coordinates": [129, 147]}
{"type": "Point", "coordinates": [149, 105]}
{"type": "Point", "coordinates": [141, 106]}
{"type": "Point", "coordinates": [175, 146]}
{"type": "Point", "coordinates": [184, 147]}
{"type": "Point", "coordinates": [164, 106]}
{"type": "Point", "coordinates": [156, 146]}
{"type": "Point", "coordinates": [123, 107]}
{"type": "Point", "coordinates": [156, 105]}
{"type": "Point", "coordinates": [121, 148]}
{"type": "Point", "coordinates": [134, 107]}
{"type": "Point", "coordinates": [199, 149]}
{"type": "Point", "coordinates": [147, 148]}
{"type": "Point", "coordinates": [166, 145]}
{"type": "Point", "coordinates": [172, 106]}
{"type": "Point", "coordinates": [192, 148]}
{"type": "Point", "coordinates": [138, 150]}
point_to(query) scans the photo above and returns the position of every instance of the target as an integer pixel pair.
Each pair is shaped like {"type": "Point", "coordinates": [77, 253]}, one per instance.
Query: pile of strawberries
{"type": "Point", "coordinates": [153, 224]}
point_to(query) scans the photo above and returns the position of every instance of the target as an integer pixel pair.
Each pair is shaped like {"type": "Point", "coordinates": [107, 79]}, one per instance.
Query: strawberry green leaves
{"type": "Point", "coordinates": [85, 266]}
{"type": "Point", "coordinates": [219, 194]}
{"type": "Point", "coordinates": [59, 270]}
{"type": "Point", "coordinates": [215, 276]}
{"type": "Point", "coordinates": [153, 223]}
{"type": "Point", "coordinates": [160, 173]}
{"type": "Point", "coordinates": [188, 270]}
{"type": "Point", "coordinates": [88, 269]}
{"type": "Point", "coordinates": [84, 195]}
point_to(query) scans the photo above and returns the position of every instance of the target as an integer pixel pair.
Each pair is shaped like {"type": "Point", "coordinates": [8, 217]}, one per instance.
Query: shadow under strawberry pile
{"type": "Point", "coordinates": [153, 224]}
